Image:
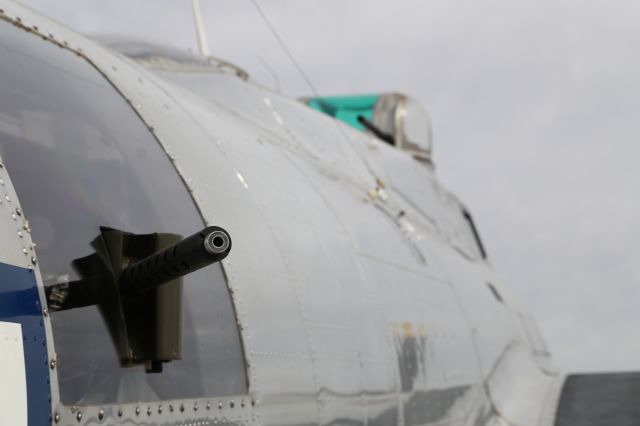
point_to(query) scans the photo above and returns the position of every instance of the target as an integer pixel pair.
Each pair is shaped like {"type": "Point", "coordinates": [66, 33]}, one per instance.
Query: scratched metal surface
{"type": "Point", "coordinates": [358, 289]}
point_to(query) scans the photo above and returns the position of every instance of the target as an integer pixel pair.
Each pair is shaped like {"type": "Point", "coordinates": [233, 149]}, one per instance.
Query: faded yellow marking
{"type": "Point", "coordinates": [407, 329]}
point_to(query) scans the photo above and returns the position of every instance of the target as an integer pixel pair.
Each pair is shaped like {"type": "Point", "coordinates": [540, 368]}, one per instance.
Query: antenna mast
{"type": "Point", "coordinates": [202, 37]}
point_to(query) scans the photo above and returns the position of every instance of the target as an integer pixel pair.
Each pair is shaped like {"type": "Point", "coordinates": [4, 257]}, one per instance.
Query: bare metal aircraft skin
{"type": "Point", "coordinates": [356, 292]}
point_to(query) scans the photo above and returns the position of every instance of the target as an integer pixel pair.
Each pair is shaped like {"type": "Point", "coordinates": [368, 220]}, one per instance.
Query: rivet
{"type": "Point", "coordinates": [195, 406]}
{"type": "Point", "coordinates": [53, 363]}
{"type": "Point", "coordinates": [120, 412]}
{"type": "Point", "coordinates": [20, 234]}
{"type": "Point", "coordinates": [159, 409]}
{"type": "Point", "coordinates": [181, 408]}
{"type": "Point", "coordinates": [45, 312]}
{"type": "Point", "coordinates": [56, 417]}
{"type": "Point", "coordinates": [35, 28]}
{"type": "Point", "coordinates": [208, 406]}
{"type": "Point", "coordinates": [25, 251]}
{"type": "Point", "coordinates": [100, 414]}
{"type": "Point", "coordinates": [79, 416]}
{"type": "Point", "coordinates": [242, 403]}
{"type": "Point", "coordinates": [13, 215]}
{"type": "Point", "coordinates": [137, 411]}
{"type": "Point", "coordinates": [232, 404]}
{"type": "Point", "coordinates": [171, 407]}
{"type": "Point", "coordinates": [6, 197]}
{"type": "Point", "coordinates": [33, 260]}
{"type": "Point", "coordinates": [220, 405]}
{"type": "Point", "coordinates": [1, 165]}
{"type": "Point", "coordinates": [1, 182]}
{"type": "Point", "coordinates": [148, 411]}
{"type": "Point", "coordinates": [18, 211]}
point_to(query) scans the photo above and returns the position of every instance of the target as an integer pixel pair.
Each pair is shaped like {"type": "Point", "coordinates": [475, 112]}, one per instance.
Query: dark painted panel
{"type": "Point", "coordinates": [600, 400]}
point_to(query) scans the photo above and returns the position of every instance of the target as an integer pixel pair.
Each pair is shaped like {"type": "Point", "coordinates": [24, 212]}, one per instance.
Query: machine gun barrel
{"type": "Point", "coordinates": [201, 249]}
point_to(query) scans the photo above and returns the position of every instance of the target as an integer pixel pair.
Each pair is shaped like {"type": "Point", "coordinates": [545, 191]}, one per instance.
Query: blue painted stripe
{"type": "Point", "coordinates": [20, 303]}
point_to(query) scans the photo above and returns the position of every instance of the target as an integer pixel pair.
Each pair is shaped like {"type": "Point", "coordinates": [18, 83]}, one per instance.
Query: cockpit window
{"type": "Point", "coordinates": [416, 127]}
{"type": "Point", "coordinates": [81, 159]}
{"type": "Point", "coordinates": [392, 117]}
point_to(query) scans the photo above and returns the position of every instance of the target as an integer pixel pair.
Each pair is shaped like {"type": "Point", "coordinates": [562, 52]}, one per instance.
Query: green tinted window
{"type": "Point", "coordinates": [346, 108]}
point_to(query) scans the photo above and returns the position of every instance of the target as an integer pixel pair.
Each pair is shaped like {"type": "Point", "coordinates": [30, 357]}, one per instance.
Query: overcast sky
{"type": "Point", "coordinates": [535, 108]}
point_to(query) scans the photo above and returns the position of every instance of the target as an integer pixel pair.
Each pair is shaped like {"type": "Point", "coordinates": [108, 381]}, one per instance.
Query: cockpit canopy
{"type": "Point", "coordinates": [165, 58]}
{"type": "Point", "coordinates": [393, 117]}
